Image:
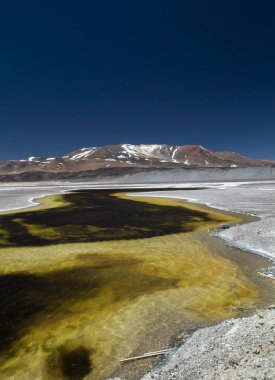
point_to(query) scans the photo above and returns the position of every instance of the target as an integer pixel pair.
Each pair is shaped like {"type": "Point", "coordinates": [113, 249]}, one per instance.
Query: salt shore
{"type": "Point", "coordinates": [254, 198]}
{"type": "Point", "coordinates": [241, 348]}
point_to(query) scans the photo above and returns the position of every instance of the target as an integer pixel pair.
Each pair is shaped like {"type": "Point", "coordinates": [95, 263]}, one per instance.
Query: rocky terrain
{"type": "Point", "coordinates": [242, 349]}
{"type": "Point", "coordinates": [135, 163]}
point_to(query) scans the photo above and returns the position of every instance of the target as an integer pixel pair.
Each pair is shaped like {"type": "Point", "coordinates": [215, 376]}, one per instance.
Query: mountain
{"type": "Point", "coordinates": [130, 156]}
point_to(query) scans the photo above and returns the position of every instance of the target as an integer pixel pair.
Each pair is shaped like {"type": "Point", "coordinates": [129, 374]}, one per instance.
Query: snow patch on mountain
{"type": "Point", "coordinates": [85, 152]}
{"type": "Point", "coordinates": [151, 151]}
{"type": "Point", "coordinates": [175, 151]}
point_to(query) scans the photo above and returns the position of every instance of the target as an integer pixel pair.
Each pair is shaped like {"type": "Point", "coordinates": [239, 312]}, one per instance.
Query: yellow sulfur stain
{"type": "Point", "coordinates": [103, 299]}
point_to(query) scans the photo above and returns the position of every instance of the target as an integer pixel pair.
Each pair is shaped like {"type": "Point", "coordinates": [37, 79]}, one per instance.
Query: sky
{"type": "Point", "coordinates": [89, 73]}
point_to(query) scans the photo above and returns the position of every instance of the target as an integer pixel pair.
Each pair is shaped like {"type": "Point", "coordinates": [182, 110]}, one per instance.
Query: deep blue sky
{"type": "Point", "coordinates": [88, 73]}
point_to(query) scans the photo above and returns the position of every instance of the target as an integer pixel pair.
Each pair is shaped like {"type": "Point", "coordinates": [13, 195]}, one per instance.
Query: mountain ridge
{"type": "Point", "coordinates": [135, 156]}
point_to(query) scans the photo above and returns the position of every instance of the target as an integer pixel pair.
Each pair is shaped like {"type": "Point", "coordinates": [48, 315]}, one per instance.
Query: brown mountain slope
{"type": "Point", "coordinates": [126, 155]}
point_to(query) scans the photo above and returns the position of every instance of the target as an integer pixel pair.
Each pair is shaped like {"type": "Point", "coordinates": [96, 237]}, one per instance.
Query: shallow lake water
{"type": "Point", "coordinates": [91, 276]}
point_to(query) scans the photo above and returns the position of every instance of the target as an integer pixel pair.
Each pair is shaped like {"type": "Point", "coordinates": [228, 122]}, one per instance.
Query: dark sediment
{"type": "Point", "coordinates": [95, 215]}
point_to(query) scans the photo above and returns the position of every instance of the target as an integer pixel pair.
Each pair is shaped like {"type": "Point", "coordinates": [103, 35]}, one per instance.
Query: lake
{"type": "Point", "coordinates": [93, 276]}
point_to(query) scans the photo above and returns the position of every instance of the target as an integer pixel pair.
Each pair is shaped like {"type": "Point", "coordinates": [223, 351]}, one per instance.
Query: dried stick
{"type": "Point", "coordinates": [146, 355]}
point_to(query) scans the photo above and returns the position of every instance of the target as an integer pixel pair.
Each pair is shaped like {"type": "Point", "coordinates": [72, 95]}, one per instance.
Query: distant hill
{"type": "Point", "coordinates": [127, 156]}
{"type": "Point", "coordinates": [127, 163]}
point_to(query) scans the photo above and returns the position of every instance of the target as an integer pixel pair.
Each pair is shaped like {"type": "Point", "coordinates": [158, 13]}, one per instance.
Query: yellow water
{"type": "Point", "coordinates": [98, 301]}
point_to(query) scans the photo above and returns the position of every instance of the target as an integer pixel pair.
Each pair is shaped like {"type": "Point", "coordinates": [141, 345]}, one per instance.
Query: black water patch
{"type": "Point", "coordinates": [76, 364]}
{"type": "Point", "coordinates": [25, 298]}
{"type": "Point", "coordinates": [69, 364]}
{"type": "Point", "coordinates": [96, 215]}
{"type": "Point", "coordinates": [17, 231]}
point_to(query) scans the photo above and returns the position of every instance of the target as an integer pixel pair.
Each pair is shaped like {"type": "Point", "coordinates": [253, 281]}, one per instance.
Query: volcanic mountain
{"type": "Point", "coordinates": [127, 156]}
